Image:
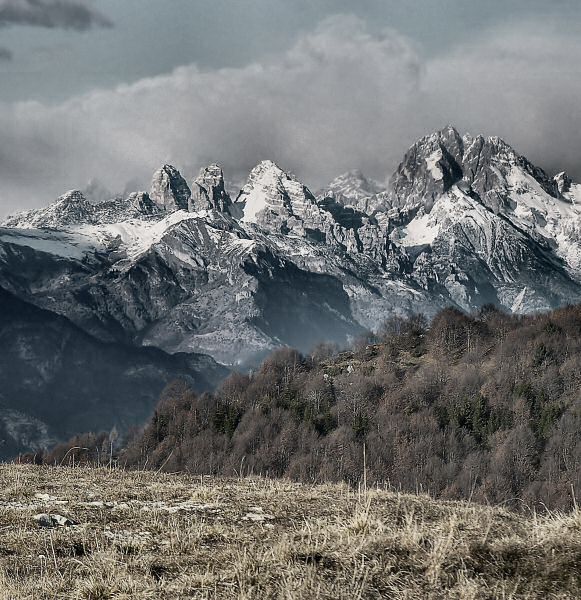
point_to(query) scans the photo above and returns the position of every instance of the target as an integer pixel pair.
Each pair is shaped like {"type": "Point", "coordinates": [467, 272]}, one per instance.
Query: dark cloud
{"type": "Point", "coordinates": [342, 97]}
{"type": "Point", "coordinates": [52, 14]}
{"type": "Point", "coordinates": [5, 54]}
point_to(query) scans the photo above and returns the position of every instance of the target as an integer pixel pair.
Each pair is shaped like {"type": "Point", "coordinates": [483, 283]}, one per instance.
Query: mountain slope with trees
{"type": "Point", "coordinates": [485, 407]}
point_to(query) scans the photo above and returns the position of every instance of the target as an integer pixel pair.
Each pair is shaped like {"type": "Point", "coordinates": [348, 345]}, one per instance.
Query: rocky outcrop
{"type": "Point", "coordinates": [563, 182]}
{"type": "Point", "coordinates": [137, 205]}
{"type": "Point", "coordinates": [209, 191]}
{"type": "Point", "coordinates": [490, 166]}
{"type": "Point", "coordinates": [142, 203]}
{"type": "Point", "coordinates": [169, 189]}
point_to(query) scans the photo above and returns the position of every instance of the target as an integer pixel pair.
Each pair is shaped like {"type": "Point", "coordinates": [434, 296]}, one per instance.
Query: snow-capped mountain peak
{"type": "Point", "coordinates": [272, 195]}
{"type": "Point", "coordinates": [465, 221]}
{"type": "Point", "coordinates": [352, 186]}
{"type": "Point", "coordinates": [354, 189]}
{"type": "Point", "coordinates": [429, 169]}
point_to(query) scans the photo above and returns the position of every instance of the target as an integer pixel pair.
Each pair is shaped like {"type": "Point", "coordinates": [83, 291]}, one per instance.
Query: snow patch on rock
{"type": "Point", "coordinates": [433, 163]}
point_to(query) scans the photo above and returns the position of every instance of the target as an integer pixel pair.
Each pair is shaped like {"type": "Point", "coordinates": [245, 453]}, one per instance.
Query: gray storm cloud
{"type": "Point", "coordinates": [5, 54]}
{"type": "Point", "coordinates": [340, 98]}
{"type": "Point", "coordinates": [53, 14]}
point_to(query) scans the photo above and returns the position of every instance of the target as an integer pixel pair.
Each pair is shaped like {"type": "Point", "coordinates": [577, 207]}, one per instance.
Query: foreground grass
{"type": "Point", "coordinates": [148, 535]}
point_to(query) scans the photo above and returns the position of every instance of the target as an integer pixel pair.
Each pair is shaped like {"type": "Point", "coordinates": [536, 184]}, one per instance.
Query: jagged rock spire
{"type": "Point", "coordinates": [169, 189]}
{"type": "Point", "coordinates": [209, 191]}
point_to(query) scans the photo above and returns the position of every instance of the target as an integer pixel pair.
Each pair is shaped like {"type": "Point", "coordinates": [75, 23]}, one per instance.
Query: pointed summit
{"type": "Point", "coordinates": [169, 189]}
{"type": "Point", "coordinates": [271, 191]}
{"type": "Point", "coordinates": [209, 191]}
{"type": "Point", "coordinates": [429, 169]}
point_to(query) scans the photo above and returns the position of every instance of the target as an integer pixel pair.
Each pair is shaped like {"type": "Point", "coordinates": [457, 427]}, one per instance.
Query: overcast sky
{"type": "Point", "coordinates": [111, 89]}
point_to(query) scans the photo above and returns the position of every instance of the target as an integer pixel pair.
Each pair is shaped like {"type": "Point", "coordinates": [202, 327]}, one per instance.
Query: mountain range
{"type": "Point", "coordinates": [188, 268]}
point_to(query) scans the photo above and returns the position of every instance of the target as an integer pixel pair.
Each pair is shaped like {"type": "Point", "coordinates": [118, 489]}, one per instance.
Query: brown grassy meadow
{"type": "Point", "coordinates": [159, 536]}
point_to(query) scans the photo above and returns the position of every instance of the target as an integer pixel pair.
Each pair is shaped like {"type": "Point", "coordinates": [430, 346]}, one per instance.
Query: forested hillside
{"type": "Point", "coordinates": [485, 407]}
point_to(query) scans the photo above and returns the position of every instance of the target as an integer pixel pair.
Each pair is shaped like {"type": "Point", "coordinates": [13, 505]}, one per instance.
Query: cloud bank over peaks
{"type": "Point", "coordinates": [340, 98]}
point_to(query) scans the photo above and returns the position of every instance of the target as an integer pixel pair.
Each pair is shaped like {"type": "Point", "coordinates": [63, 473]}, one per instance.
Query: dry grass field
{"type": "Point", "coordinates": [158, 536]}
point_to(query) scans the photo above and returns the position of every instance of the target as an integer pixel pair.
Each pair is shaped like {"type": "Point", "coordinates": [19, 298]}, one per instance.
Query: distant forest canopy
{"type": "Point", "coordinates": [484, 407]}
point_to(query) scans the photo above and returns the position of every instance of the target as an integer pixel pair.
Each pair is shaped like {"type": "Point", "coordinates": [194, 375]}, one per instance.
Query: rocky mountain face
{"type": "Point", "coordinates": [464, 221]}
{"type": "Point", "coordinates": [209, 191]}
{"type": "Point", "coordinates": [69, 209]}
{"type": "Point", "coordinates": [56, 380]}
{"type": "Point", "coordinates": [169, 189]}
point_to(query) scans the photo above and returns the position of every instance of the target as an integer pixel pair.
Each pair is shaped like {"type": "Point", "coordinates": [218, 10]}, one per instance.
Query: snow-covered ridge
{"type": "Point", "coordinates": [131, 237]}
{"type": "Point", "coordinates": [69, 209]}
{"type": "Point", "coordinates": [464, 221]}
{"type": "Point", "coordinates": [136, 236]}
{"type": "Point", "coordinates": [65, 244]}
